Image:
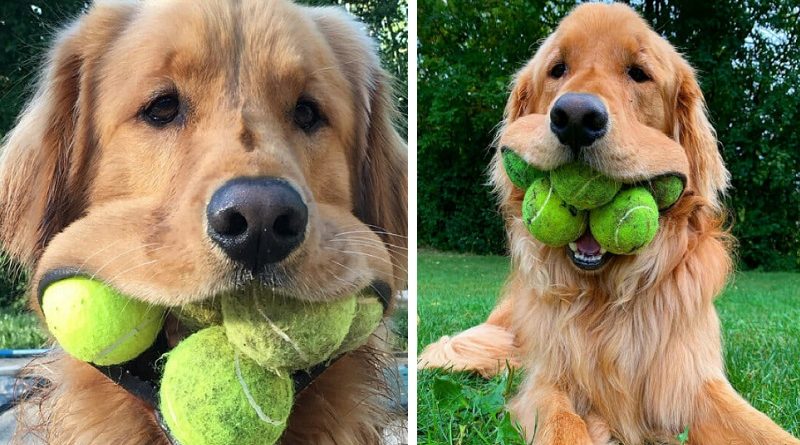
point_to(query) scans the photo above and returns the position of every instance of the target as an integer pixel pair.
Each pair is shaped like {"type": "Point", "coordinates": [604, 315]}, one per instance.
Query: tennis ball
{"type": "Point", "coordinates": [666, 190]}
{"type": "Point", "coordinates": [519, 172]}
{"type": "Point", "coordinates": [94, 323]}
{"type": "Point", "coordinates": [196, 316]}
{"type": "Point", "coordinates": [550, 219]}
{"type": "Point", "coordinates": [213, 395]}
{"type": "Point", "coordinates": [582, 186]}
{"type": "Point", "coordinates": [626, 224]}
{"type": "Point", "coordinates": [369, 313]}
{"type": "Point", "coordinates": [286, 333]}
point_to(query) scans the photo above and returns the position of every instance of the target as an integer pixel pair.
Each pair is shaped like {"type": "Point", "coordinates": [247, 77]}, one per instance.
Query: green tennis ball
{"type": "Point", "coordinates": [213, 395]}
{"type": "Point", "coordinates": [582, 186]}
{"type": "Point", "coordinates": [196, 316]}
{"type": "Point", "coordinates": [628, 223]}
{"type": "Point", "coordinates": [369, 313]}
{"type": "Point", "coordinates": [286, 333]}
{"type": "Point", "coordinates": [519, 172]}
{"type": "Point", "coordinates": [94, 323]}
{"type": "Point", "coordinates": [666, 190]}
{"type": "Point", "coordinates": [550, 219]}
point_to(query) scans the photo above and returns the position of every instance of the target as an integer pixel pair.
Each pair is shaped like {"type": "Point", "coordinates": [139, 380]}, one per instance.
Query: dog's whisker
{"type": "Point", "coordinates": [122, 254]}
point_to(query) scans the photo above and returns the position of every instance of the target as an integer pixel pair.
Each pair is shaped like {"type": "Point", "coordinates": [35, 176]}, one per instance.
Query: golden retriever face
{"type": "Point", "coordinates": [604, 88]}
{"type": "Point", "coordinates": [231, 144]}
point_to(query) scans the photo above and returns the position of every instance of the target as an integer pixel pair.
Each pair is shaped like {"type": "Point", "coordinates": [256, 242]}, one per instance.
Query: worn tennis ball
{"type": "Point", "coordinates": [550, 219]}
{"type": "Point", "coordinates": [628, 223]}
{"type": "Point", "coordinates": [369, 313]}
{"type": "Point", "coordinates": [196, 316]}
{"type": "Point", "coordinates": [213, 395]}
{"type": "Point", "coordinates": [286, 333]}
{"type": "Point", "coordinates": [95, 323]}
{"type": "Point", "coordinates": [666, 190]}
{"type": "Point", "coordinates": [582, 186]}
{"type": "Point", "coordinates": [519, 172]}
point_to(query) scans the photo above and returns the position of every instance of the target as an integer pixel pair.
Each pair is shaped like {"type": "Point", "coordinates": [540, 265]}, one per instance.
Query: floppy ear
{"type": "Point", "coordinates": [45, 158]}
{"type": "Point", "coordinates": [522, 93]}
{"type": "Point", "coordinates": [708, 176]}
{"type": "Point", "coordinates": [378, 159]}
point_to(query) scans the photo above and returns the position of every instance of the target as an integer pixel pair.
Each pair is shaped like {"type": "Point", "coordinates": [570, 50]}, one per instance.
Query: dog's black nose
{"type": "Point", "coordinates": [257, 221]}
{"type": "Point", "coordinates": [578, 119]}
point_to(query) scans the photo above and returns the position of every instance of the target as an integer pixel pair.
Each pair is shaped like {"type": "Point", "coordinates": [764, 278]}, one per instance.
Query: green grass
{"type": "Point", "coordinates": [760, 315]}
{"type": "Point", "coordinates": [20, 331]}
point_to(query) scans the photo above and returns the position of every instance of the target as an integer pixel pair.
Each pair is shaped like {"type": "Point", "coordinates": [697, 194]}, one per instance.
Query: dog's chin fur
{"type": "Point", "coordinates": [632, 351]}
{"type": "Point", "coordinates": [88, 184]}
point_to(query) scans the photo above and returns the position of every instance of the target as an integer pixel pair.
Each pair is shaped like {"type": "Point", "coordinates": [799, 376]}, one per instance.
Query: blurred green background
{"type": "Point", "coordinates": [26, 29]}
{"type": "Point", "coordinates": [748, 58]}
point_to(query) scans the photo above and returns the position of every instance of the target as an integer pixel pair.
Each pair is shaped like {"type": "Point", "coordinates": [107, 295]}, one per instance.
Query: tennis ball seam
{"type": "Point", "coordinates": [282, 334]}
{"type": "Point", "coordinates": [581, 190]}
{"type": "Point", "coordinates": [624, 217]}
{"type": "Point", "coordinates": [544, 204]}
{"type": "Point", "coordinates": [129, 335]}
{"type": "Point", "coordinates": [250, 399]}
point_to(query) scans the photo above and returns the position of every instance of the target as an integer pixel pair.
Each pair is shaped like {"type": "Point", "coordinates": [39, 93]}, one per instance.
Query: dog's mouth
{"type": "Point", "coordinates": [586, 253]}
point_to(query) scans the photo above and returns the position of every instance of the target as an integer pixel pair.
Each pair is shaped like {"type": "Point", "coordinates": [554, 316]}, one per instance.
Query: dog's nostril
{"type": "Point", "coordinates": [229, 223]}
{"type": "Point", "coordinates": [559, 117]}
{"type": "Point", "coordinates": [595, 121]}
{"type": "Point", "coordinates": [287, 226]}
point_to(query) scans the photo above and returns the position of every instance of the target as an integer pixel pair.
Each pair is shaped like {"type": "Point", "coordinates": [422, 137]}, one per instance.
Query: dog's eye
{"type": "Point", "coordinates": [162, 110]}
{"type": "Point", "coordinates": [638, 75]}
{"type": "Point", "coordinates": [307, 115]}
{"type": "Point", "coordinates": [558, 70]}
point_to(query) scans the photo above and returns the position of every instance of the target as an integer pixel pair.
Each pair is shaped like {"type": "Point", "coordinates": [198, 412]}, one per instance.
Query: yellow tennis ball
{"type": "Point", "coordinates": [213, 395]}
{"type": "Point", "coordinates": [666, 190]}
{"type": "Point", "coordinates": [519, 172]}
{"type": "Point", "coordinates": [369, 313]}
{"type": "Point", "coordinates": [95, 323]}
{"type": "Point", "coordinates": [628, 223]}
{"type": "Point", "coordinates": [582, 186]}
{"type": "Point", "coordinates": [196, 316]}
{"type": "Point", "coordinates": [286, 333]}
{"type": "Point", "coordinates": [550, 219]}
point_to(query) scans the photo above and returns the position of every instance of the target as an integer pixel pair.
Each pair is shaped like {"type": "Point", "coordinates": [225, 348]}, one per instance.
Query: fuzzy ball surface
{"type": "Point", "coordinates": [95, 323]}
{"type": "Point", "coordinates": [286, 333]}
{"type": "Point", "coordinates": [519, 172]}
{"type": "Point", "coordinates": [196, 316]}
{"type": "Point", "coordinates": [549, 218]}
{"type": "Point", "coordinates": [666, 190]}
{"type": "Point", "coordinates": [582, 186]}
{"type": "Point", "coordinates": [369, 313]}
{"type": "Point", "coordinates": [628, 223]}
{"type": "Point", "coordinates": [213, 395]}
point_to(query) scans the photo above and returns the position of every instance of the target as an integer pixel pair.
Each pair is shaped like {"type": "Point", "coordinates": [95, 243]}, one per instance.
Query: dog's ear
{"type": "Point", "coordinates": [708, 176]}
{"type": "Point", "coordinates": [378, 159]}
{"type": "Point", "coordinates": [45, 157]}
{"type": "Point", "coordinates": [522, 94]}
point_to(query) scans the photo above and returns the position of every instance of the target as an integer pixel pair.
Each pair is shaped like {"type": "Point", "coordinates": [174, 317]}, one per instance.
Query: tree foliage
{"type": "Point", "coordinates": [748, 58]}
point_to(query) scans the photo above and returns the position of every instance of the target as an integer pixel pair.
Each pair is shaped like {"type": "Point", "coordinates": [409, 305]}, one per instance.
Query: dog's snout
{"type": "Point", "coordinates": [578, 119]}
{"type": "Point", "coordinates": [257, 221]}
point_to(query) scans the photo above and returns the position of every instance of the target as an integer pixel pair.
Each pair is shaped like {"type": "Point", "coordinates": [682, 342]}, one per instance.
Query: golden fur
{"type": "Point", "coordinates": [85, 183]}
{"type": "Point", "coordinates": [631, 352]}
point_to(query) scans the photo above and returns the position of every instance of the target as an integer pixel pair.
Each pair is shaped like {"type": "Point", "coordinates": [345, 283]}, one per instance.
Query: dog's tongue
{"type": "Point", "coordinates": [587, 245]}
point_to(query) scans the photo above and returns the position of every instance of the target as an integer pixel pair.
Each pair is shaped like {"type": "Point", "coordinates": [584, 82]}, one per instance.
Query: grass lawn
{"type": "Point", "coordinates": [20, 331]}
{"type": "Point", "coordinates": [760, 315]}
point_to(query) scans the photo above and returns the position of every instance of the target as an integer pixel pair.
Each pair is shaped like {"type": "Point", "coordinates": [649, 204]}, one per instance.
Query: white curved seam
{"type": "Point", "coordinates": [586, 184]}
{"type": "Point", "coordinates": [283, 335]}
{"type": "Point", "coordinates": [544, 204]}
{"type": "Point", "coordinates": [249, 396]}
{"type": "Point", "coordinates": [128, 335]}
{"type": "Point", "coordinates": [624, 217]}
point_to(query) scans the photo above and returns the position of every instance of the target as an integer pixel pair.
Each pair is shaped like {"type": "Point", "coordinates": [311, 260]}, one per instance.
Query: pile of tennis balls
{"type": "Point", "coordinates": [559, 204]}
{"type": "Point", "coordinates": [231, 380]}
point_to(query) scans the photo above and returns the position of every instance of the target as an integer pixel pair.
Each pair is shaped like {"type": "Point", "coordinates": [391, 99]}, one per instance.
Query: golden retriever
{"type": "Point", "coordinates": [179, 149]}
{"type": "Point", "coordinates": [615, 348]}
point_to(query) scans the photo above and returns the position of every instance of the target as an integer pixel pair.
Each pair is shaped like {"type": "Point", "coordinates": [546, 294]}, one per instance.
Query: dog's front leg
{"type": "Point", "coordinates": [547, 416]}
{"type": "Point", "coordinates": [723, 417]}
